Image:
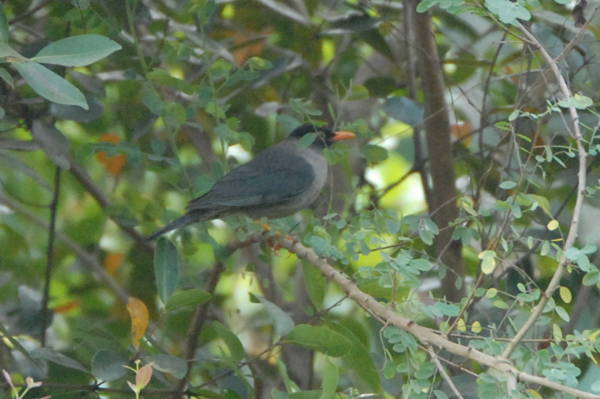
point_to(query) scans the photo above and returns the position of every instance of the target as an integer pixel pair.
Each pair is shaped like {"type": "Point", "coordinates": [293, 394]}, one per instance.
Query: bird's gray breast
{"type": "Point", "coordinates": [301, 200]}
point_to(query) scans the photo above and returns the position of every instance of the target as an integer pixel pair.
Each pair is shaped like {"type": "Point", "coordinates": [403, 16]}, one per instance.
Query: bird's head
{"type": "Point", "coordinates": [324, 136]}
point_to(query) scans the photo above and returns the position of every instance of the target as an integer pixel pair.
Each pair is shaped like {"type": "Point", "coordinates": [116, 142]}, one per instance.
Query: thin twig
{"type": "Point", "coordinates": [570, 240]}
{"type": "Point", "coordinates": [445, 375]}
{"type": "Point", "coordinates": [90, 186]}
{"type": "Point", "coordinates": [578, 36]}
{"type": "Point", "coordinates": [50, 256]}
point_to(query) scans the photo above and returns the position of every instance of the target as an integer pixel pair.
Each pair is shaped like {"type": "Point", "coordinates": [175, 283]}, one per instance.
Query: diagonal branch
{"type": "Point", "coordinates": [425, 335]}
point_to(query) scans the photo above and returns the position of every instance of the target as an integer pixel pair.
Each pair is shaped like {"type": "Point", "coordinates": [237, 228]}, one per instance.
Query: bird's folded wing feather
{"type": "Point", "coordinates": [274, 176]}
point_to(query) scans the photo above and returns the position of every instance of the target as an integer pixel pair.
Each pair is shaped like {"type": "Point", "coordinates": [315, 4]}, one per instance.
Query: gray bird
{"type": "Point", "coordinates": [278, 182]}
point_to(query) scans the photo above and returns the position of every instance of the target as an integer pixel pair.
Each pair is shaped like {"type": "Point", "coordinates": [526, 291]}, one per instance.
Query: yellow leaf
{"type": "Point", "coordinates": [476, 327]}
{"type": "Point", "coordinates": [139, 320]}
{"type": "Point", "coordinates": [553, 225]}
{"type": "Point", "coordinates": [112, 263]}
{"type": "Point", "coordinates": [534, 393]}
{"type": "Point", "coordinates": [565, 294]}
{"type": "Point", "coordinates": [488, 265]}
{"type": "Point", "coordinates": [492, 292]}
{"type": "Point", "coordinates": [461, 325]}
{"type": "Point", "coordinates": [488, 253]}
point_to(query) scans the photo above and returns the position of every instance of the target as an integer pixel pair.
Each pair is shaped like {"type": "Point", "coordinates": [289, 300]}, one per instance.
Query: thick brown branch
{"type": "Point", "coordinates": [439, 146]}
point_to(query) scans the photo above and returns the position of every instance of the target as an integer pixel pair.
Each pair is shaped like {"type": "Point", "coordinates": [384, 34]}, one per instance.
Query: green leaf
{"type": "Point", "coordinates": [188, 298]}
{"type": "Point", "coordinates": [166, 269]}
{"type": "Point", "coordinates": [358, 357]}
{"type": "Point", "coordinates": [304, 395]}
{"type": "Point", "coordinates": [545, 248]}
{"type": "Point", "coordinates": [320, 339]}
{"type": "Point", "coordinates": [315, 283]}
{"type": "Point", "coordinates": [168, 364]}
{"type": "Point", "coordinates": [331, 377]}
{"type": "Point", "coordinates": [583, 262]}
{"type": "Point", "coordinates": [440, 394]}
{"type": "Point", "coordinates": [77, 51]}
{"type": "Point", "coordinates": [507, 185]}
{"type": "Point", "coordinates": [501, 304]}
{"type": "Point", "coordinates": [577, 101]}
{"type": "Point", "coordinates": [282, 322]}
{"type": "Point", "coordinates": [404, 109]}
{"type": "Point", "coordinates": [562, 313]}
{"type": "Point", "coordinates": [49, 85]}
{"type": "Point", "coordinates": [444, 309]}
{"type": "Point", "coordinates": [589, 249]}
{"type": "Point", "coordinates": [9, 53]}
{"type": "Point", "coordinates": [421, 264]}
{"type": "Point", "coordinates": [508, 11]}
{"type": "Point", "coordinates": [389, 370]}
{"type": "Point", "coordinates": [236, 349]}
{"type": "Point", "coordinates": [572, 253]}
{"type": "Point", "coordinates": [54, 144]}
{"type": "Point", "coordinates": [3, 25]}
{"type": "Point", "coordinates": [374, 153]}
{"type": "Point", "coordinates": [544, 203]}
{"type": "Point", "coordinates": [259, 63]}
{"type": "Point", "coordinates": [7, 78]}
{"type": "Point", "coordinates": [307, 140]}
{"type": "Point", "coordinates": [55, 357]}
{"type": "Point", "coordinates": [107, 365]}
{"type": "Point", "coordinates": [358, 93]}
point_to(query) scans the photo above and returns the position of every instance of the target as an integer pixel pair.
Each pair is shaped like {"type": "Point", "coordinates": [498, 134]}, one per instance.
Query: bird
{"type": "Point", "coordinates": [280, 181]}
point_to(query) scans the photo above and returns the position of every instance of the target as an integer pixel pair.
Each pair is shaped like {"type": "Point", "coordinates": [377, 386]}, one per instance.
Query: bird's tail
{"type": "Point", "coordinates": [188, 218]}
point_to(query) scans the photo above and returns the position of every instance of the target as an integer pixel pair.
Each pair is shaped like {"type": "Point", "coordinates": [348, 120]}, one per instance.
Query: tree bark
{"type": "Point", "coordinates": [441, 163]}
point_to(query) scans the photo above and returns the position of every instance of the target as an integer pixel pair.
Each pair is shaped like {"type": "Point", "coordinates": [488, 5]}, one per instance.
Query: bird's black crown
{"type": "Point", "coordinates": [325, 136]}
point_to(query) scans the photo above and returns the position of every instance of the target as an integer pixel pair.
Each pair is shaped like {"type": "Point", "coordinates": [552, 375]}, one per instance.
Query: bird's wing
{"type": "Point", "coordinates": [275, 175]}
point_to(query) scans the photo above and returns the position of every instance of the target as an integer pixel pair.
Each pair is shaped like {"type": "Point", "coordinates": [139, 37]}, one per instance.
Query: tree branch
{"type": "Point", "coordinates": [50, 256]}
{"type": "Point", "coordinates": [439, 147]}
{"type": "Point", "coordinates": [425, 335]}
{"type": "Point", "coordinates": [576, 133]}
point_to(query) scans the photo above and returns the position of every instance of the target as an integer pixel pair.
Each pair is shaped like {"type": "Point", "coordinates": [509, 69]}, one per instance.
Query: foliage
{"type": "Point", "coordinates": [114, 114]}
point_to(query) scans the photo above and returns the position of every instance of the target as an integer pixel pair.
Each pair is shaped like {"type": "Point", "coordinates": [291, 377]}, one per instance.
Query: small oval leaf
{"type": "Point", "coordinates": [565, 295]}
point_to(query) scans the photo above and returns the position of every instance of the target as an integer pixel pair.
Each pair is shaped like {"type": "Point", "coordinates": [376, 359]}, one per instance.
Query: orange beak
{"type": "Point", "coordinates": [339, 136]}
